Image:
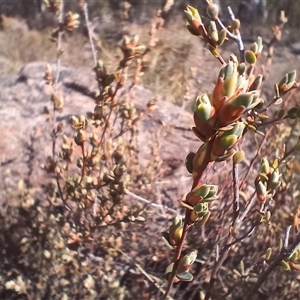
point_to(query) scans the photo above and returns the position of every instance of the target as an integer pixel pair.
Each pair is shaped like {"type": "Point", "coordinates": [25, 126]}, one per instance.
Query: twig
{"type": "Point", "coordinates": [217, 266]}
{"type": "Point", "coordinates": [235, 37]}
{"type": "Point", "coordinates": [58, 63]}
{"type": "Point", "coordinates": [284, 252]}
{"type": "Point", "coordinates": [150, 202]}
{"type": "Point", "coordinates": [83, 162]}
{"type": "Point", "coordinates": [247, 209]}
{"type": "Point", "coordinates": [86, 16]}
{"type": "Point", "coordinates": [249, 232]}
{"type": "Point", "coordinates": [286, 236]}
{"type": "Point", "coordinates": [149, 277]}
{"type": "Point", "coordinates": [109, 114]}
{"type": "Point", "coordinates": [236, 200]}
{"type": "Point", "coordinates": [58, 67]}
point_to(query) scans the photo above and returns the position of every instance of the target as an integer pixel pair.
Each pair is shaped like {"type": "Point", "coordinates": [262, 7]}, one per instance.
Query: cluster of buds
{"type": "Point", "coordinates": [225, 141]}
{"type": "Point", "coordinates": [53, 5]}
{"type": "Point", "coordinates": [58, 101]}
{"type": "Point", "coordinates": [195, 26]}
{"type": "Point", "coordinates": [79, 124]}
{"type": "Point", "coordinates": [182, 270]}
{"type": "Point", "coordinates": [48, 76]}
{"type": "Point", "coordinates": [230, 99]}
{"type": "Point", "coordinates": [81, 190]}
{"type": "Point", "coordinates": [268, 181]}
{"type": "Point", "coordinates": [71, 21]}
{"type": "Point", "coordinates": [254, 52]}
{"type": "Point", "coordinates": [223, 147]}
{"type": "Point", "coordinates": [198, 200]}
{"type": "Point", "coordinates": [131, 49]}
{"type": "Point", "coordinates": [287, 83]}
{"type": "Point", "coordinates": [105, 80]}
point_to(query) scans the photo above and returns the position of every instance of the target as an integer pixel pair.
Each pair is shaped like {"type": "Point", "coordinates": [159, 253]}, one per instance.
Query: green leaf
{"type": "Point", "coordinates": [186, 276]}
{"type": "Point", "coordinates": [165, 237]}
{"type": "Point", "coordinates": [169, 269]}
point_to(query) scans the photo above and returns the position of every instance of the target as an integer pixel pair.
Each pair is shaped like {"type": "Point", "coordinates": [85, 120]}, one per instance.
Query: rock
{"type": "Point", "coordinates": [26, 142]}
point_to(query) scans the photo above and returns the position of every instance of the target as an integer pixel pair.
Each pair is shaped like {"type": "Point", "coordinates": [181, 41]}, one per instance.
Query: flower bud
{"type": "Point", "coordinates": [186, 262]}
{"type": "Point", "coordinates": [235, 24]}
{"type": "Point", "coordinates": [261, 192]}
{"type": "Point", "coordinates": [203, 108]}
{"type": "Point", "coordinates": [257, 47]}
{"type": "Point", "coordinates": [287, 82]}
{"type": "Point", "coordinates": [201, 209]}
{"type": "Point", "coordinates": [264, 166]}
{"type": "Point", "coordinates": [238, 157]}
{"type": "Point", "coordinates": [226, 140]}
{"type": "Point", "coordinates": [199, 157]}
{"type": "Point", "coordinates": [175, 231]}
{"type": "Point", "coordinates": [250, 57]}
{"type": "Point", "coordinates": [212, 11]}
{"type": "Point", "coordinates": [71, 21]}
{"type": "Point", "coordinates": [230, 79]}
{"type": "Point", "coordinates": [189, 162]}
{"type": "Point", "coordinates": [193, 17]}
{"type": "Point", "coordinates": [218, 98]}
{"type": "Point", "coordinates": [48, 74]}
{"type": "Point", "coordinates": [81, 137]}
{"type": "Point", "coordinates": [222, 37]}
{"type": "Point", "coordinates": [213, 32]}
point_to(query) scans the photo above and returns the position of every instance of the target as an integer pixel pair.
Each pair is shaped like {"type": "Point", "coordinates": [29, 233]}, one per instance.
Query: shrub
{"type": "Point", "coordinates": [239, 234]}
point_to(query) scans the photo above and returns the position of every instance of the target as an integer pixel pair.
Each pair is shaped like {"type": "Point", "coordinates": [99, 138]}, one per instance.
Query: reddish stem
{"type": "Point", "coordinates": [187, 219]}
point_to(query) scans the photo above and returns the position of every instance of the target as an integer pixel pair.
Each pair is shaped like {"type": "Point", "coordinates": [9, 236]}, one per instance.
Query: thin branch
{"type": "Point", "coordinates": [178, 252]}
{"type": "Point", "coordinates": [236, 200]}
{"type": "Point", "coordinates": [255, 157]}
{"type": "Point", "coordinates": [261, 279]}
{"type": "Point", "coordinates": [235, 37]}
{"type": "Point", "coordinates": [150, 202]}
{"type": "Point", "coordinates": [86, 16]}
{"type": "Point", "coordinates": [109, 114]}
{"type": "Point", "coordinates": [55, 85]}
{"type": "Point", "coordinates": [58, 66]}
{"type": "Point", "coordinates": [83, 162]}
{"type": "Point", "coordinates": [218, 264]}
{"type": "Point", "coordinates": [247, 209]}
{"type": "Point", "coordinates": [148, 276]}
{"type": "Point", "coordinates": [248, 234]}
{"type": "Point", "coordinates": [286, 237]}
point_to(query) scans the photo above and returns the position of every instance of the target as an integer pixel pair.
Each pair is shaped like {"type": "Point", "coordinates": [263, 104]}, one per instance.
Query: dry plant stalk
{"type": "Point", "coordinates": [94, 194]}
{"type": "Point", "coordinates": [222, 119]}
